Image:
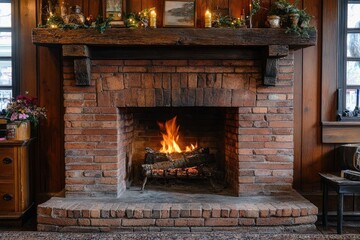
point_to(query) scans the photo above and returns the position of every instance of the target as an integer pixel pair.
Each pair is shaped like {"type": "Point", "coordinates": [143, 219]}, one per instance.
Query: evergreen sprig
{"type": "Point", "coordinates": [100, 24]}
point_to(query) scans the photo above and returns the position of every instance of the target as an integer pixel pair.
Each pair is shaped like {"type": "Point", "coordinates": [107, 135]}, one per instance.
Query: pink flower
{"type": "Point", "coordinates": [23, 116]}
{"type": "Point", "coordinates": [13, 116]}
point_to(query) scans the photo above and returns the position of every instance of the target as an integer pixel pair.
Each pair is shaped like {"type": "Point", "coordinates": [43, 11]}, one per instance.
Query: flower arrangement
{"type": "Point", "coordinates": [23, 109]}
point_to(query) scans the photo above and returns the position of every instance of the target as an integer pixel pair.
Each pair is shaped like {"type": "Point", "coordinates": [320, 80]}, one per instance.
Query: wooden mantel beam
{"type": "Point", "coordinates": [172, 37]}
{"type": "Point", "coordinates": [84, 44]}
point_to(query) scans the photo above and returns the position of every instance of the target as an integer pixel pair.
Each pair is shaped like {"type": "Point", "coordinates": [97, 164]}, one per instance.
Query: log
{"type": "Point", "coordinates": [156, 160]}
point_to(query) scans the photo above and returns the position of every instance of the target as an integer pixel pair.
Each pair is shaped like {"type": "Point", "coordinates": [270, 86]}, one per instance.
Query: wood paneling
{"type": "Point", "coordinates": [26, 62]}
{"type": "Point", "coordinates": [50, 163]}
{"type": "Point", "coordinates": [311, 105]}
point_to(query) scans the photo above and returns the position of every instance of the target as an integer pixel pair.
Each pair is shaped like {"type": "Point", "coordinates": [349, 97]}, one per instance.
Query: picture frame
{"type": "Point", "coordinates": [180, 13]}
{"type": "Point", "coordinates": [116, 10]}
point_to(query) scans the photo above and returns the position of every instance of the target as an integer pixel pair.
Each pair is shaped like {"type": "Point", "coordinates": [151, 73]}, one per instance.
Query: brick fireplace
{"type": "Point", "coordinates": [99, 119]}
{"type": "Point", "coordinates": [220, 97]}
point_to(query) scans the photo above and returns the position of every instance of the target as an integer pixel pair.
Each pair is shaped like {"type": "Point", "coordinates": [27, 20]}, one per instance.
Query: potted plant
{"type": "Point", "coordinates": [21, 113]}
{"type": "Point", "coordinates": [291, 17]}
{"type": "Point", "coordinates": [304, 18]}
{"type": "Point", "coordinates": [276, 14]}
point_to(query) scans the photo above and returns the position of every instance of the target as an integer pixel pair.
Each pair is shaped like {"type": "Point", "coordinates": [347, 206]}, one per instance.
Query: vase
{"type": "Point", "coordinates": [18, 130]}
{"type": "Point", "coordinates": [294, 19]}
{"type": "Point", "coordinates": [274, 21]}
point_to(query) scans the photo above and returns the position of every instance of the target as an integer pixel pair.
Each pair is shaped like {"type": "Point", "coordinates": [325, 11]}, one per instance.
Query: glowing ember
{"type": "Point", "coordinates": [170, 133]}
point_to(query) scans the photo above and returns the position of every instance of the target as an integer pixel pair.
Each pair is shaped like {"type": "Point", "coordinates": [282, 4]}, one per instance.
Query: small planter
{"type": "Point", "coordinates": [274, 21]}
{"type": "Point", "coordinates": [294, 19]}
{"type": "Point", "coordinates": [305, 24]}
{"type": "Point", "coordinates": [18, 130]}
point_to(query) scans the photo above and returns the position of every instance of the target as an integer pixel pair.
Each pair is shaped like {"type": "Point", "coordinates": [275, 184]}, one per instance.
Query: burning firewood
{"type": "Point", "coordinates": [157, 160]}
{"type": "Point", "coordinates": [187, 165]}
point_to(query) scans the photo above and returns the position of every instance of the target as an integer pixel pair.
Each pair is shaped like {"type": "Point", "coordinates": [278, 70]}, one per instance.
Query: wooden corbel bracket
{"type": "Point", "coordinates": [273, 54]}
{"type": "Point", "coordinates": [82, 63]}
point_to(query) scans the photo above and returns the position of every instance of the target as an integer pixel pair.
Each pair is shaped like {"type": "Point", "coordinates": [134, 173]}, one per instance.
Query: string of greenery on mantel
{"type": "Point", "coordinates": [100, 23]}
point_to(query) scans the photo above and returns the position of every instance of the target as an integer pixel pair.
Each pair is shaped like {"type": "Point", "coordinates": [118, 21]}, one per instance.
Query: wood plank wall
{"type": "Point", "coordinates": [315, 87]}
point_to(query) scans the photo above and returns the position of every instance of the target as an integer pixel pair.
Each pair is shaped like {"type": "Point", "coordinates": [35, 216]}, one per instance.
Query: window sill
{"type": "Point", "coordinates": [341, 132]}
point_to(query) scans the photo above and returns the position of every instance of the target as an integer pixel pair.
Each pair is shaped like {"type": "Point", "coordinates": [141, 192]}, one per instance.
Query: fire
{"type": "Point", "coordinates": [170, 133]}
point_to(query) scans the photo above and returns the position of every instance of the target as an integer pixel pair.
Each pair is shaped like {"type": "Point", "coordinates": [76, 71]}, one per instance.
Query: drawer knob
{"type": "Point", "coordinates": [7, 160]}
{"type": "Point", "coordinates": [7, 197]}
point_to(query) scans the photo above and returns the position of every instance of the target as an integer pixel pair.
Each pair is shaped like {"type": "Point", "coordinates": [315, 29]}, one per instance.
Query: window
{"type": "Point", "coordinates": [349, 58]}
{"type": "Point", "coordinates": [6, 53]}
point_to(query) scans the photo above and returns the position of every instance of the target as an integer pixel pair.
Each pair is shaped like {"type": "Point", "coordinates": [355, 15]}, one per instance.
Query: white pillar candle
{"type": "Point", "coordinates": [208, 19]}
{"type": "Point", "coordinates": [153, 19]}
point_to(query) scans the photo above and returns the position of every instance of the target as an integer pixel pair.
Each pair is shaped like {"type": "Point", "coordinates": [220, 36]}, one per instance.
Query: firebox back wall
{"type": "Point", "coordinates": [259, 127]}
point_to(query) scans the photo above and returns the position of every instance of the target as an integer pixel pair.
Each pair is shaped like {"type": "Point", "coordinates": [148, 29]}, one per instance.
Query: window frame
{"type": "Point", "coordinates": [14, 69]}
{"type": "Point", "coordinates": [343, 60]}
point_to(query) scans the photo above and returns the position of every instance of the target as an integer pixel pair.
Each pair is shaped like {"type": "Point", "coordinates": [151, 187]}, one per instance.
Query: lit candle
{"type": "Point", "coordinates": [250, 7]}
{"type": "Point", "coordinates": [208, 19]}
{"type": "Point", "coordinates": [153, 19]}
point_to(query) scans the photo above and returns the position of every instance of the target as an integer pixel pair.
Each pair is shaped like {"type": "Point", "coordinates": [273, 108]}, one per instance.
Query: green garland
{"type": "Point", "coordinates": [100, 24]}
{"type": "Point", "coordinates": [138, 20]}
{"type": "Point", "coordinates": [228, 21]}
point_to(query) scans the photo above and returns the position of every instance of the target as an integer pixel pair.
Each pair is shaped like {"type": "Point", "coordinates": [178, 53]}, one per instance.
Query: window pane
{"type": "Point", "coordinates": [5, 73]}
{"type": "Point", "coordinates": [5, 15]}
{"type": "Point", "coordinates": [353, 15]}
{"type": "Point", "coordinates": [5, 44]}
{"type": "Point", "coordinates": [351, 99]}
{"type": "Point", "coordinates": [5, 96]}
{"type": "Point", "coordinates": [353, 45]}
{"type": "Point", "coordinates": [353, 73]}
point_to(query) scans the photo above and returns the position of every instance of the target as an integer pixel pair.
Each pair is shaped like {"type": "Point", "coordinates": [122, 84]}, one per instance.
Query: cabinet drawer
{"type": "Point", "coordinates": [7, 197]}
{"type": "Point", "coordinates": [7, 162]}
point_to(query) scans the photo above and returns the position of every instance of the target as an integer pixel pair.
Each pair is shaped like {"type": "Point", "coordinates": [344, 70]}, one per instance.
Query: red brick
{"type": "Point", "coordinates": [135, 69]}
{"type": "Point", "coordinates": [44, 211]}
{"type": "Point", "coordinates": [138, 222]}
{"type": "Point", "coordinates": [57, 221]}
{"type": "Point", "coordinates": [114, 83]}
{"type": "Point", "coordinates": [234, 81]}
{"type": "Point", "coordinates": [132, 80]}
{"type": "Point", "coordinates": [84, 222]}
{"type": "Point", "coordinates": [161, 69]}
{"type": "Point", "coordinates": [305, 220]}
{"type": "Point", "coordinates": [189, 222]}
{"type": "Point", "coordinates": [246, 221]}
{"type": "Point", "coordinates": [104, 69]}
{"type": "Point", "coordinates": [221, 222]}
{"type": "Point", "coordinates": [190, 69]}
{"type": "Point", "coordinates": [137, 62]}
{"type": "Point", "coordinates": [106, 222]}
{"type": "Point", "coordinates": [165, 222]}
{"type": "Point", "coordinates": [274, 221]}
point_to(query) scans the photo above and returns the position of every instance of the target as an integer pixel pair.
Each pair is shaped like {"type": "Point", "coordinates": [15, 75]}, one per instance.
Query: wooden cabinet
{"type": "Point", "coordinates": [15, 197]}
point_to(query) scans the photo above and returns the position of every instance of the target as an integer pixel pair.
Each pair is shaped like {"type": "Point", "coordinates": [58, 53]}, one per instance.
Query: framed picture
{"type": "Point", "coordinates": [114, 9]}
{"type": "Point", "coordinates": [179, 13]}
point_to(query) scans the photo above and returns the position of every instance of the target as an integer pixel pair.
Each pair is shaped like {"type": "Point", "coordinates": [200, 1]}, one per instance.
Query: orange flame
{"type": "Point", "coordinates": [170, 133]}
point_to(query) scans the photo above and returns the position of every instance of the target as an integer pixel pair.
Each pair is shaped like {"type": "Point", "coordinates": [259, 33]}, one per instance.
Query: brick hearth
{"type": "Point", "coordinates": [139, 213]}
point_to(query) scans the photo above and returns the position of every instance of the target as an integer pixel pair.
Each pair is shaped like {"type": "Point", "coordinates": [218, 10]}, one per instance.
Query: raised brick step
{"type": "Point", "coordinates": [68, 214]}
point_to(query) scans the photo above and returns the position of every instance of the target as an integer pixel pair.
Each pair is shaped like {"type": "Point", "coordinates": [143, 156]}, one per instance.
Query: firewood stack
{"type": "Point", "coordinates": [197, 164]}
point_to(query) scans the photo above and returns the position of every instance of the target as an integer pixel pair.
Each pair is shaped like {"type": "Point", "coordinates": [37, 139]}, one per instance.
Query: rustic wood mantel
{"type": "Point", "coordinates": [273, 43]}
